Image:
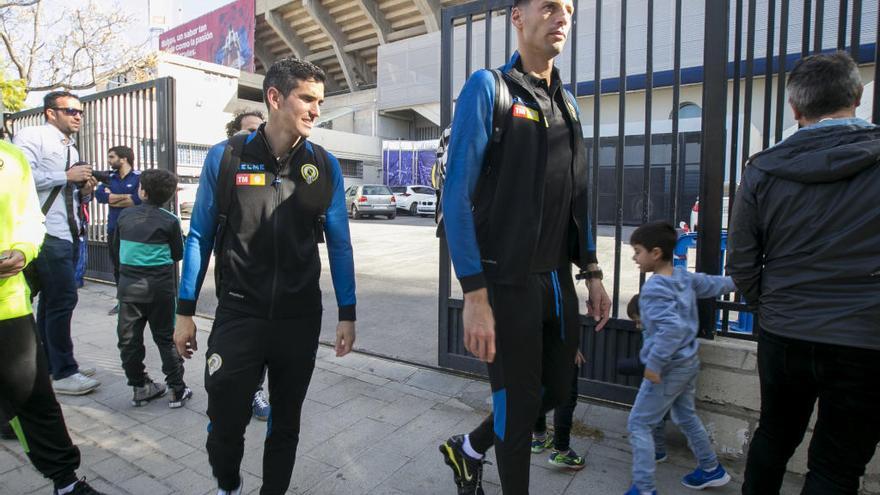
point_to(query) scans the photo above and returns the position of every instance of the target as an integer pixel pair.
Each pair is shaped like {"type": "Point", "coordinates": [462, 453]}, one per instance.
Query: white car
{"type": "Point", "coordinates": [416, 200]}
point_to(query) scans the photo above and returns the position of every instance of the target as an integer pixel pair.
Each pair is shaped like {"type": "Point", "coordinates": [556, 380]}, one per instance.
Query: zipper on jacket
{"type": "Point", "coordinates": [278, 189]}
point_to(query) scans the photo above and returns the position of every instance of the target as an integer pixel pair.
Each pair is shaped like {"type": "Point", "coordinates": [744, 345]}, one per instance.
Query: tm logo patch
{"type": "Point", "coordinates": [250, 179]}
{"type": "Point", "coordinates": [524, 112]}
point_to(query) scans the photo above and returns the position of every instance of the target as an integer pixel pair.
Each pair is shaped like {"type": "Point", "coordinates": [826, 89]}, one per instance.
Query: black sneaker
{"type": "Point", "coordinates": [83, 488]}
{"type": "Point", "coordinates": [178, 397]}
{"type": "Point", "coordinates": [468, 472]}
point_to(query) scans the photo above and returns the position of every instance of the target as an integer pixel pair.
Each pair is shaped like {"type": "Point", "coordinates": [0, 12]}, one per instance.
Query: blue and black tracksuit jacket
{"type": "Point", "coordinates": [269, 261]}
{"type": "Point", "coordinates": [493, 194]}
{"type": "Point", "coordinates": [147, 242]}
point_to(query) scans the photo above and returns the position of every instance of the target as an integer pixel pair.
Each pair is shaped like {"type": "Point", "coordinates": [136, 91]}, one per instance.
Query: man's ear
{"type": "Point", "coordinates": [516, 18]}
{"type": "Point", "coordinates": [273, 98]}
{"type": "Point", "coordinates": [798, 116]}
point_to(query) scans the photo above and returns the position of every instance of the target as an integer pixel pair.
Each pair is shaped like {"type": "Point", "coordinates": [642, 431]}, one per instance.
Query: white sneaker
{"type": "Point", "coordinates": [88, 371]}
{"type": "Point", "coordinates": [75, 384]}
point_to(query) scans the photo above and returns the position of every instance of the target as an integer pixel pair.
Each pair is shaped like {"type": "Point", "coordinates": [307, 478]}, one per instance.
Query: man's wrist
{"type": "Point", "coordinates": [186, 307]}
{"type": "Point", "coordinates": [348, 313]}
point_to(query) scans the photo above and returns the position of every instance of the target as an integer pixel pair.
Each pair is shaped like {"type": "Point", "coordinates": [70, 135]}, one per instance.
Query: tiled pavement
{"type": "Point", "coordinates": [370, 426]}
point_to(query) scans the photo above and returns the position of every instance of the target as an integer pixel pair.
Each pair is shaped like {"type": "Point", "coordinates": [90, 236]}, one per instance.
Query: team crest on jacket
{"type": "Point", "coordinates": [214, 363]}
{"type": "Point", "coordinates": [309, 173]}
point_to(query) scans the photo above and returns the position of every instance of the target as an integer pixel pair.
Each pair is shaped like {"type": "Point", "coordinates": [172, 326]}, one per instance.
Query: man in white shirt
{"type": "Point", "coordinates": [62, 187]}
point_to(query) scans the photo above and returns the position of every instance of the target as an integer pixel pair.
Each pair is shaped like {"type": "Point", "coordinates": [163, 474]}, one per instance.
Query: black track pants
{"type": "Point", "coordinates": [26, 396]}
{"type": "Point", "coordinates": [238, 348]}
{"type": "Point", "coordinates": [563, 417]}
{"type": "Point", "coordinates": [536, 338]}
{"type": "Point", "coordinates": [133, 317]}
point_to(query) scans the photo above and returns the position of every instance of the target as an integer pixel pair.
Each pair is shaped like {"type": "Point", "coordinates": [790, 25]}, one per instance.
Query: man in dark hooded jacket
{"type": "Point", "coordinates": [805, 250]}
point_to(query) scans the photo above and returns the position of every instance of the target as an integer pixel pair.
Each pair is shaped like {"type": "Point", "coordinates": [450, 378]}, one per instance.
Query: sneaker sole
{"type": "Point", "coordinates": [76, 392]}
{"type": "Point", "coordinates": [144, 402]}
{"type": "Point", "coordinates": [179, 404]}
{"type": "Point", "coordinates": [562, 465]}
{"type": "Point", "coordinates": [662, 459]}
{"type": "Point", "coordinates": [710, 484]}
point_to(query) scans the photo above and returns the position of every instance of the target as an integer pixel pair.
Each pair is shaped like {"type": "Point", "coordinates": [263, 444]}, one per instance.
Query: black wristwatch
{"type": "Point", "coordinates": [589, 274]}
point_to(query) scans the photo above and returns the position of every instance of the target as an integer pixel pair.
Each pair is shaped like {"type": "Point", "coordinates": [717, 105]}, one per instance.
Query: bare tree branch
{"type": "Point", "coordinates": [78, 49]}
{"type": "Point", "coordinates": [22, 3]}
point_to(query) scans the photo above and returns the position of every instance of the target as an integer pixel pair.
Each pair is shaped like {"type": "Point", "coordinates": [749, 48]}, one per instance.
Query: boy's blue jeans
{"type": "Point", "coordinates": [675, 394]}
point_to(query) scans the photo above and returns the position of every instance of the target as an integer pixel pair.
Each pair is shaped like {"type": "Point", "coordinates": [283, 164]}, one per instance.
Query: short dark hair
{"type": "Point", "coordinates": [51, 98]}
{"type": "Point", "coordinates": [285, 74]}
{"type": "Point", "coordinates": [656, 234]}
{"type": "Point", "coordinates": [520, 3]}
{"type": "Point", "coordinates": [234, 125]}
{"type": "Point", "coordinates": [123, 152]}
{"type": "Point", "coordinates": [632, 308]}
{"type": "Point", "coordinates": [822, 84]}
{"type": "Point", "coordinates": [160, 185]}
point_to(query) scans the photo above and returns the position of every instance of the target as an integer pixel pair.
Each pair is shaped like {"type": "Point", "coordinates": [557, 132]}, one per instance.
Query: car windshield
{"type": "Point", "coordinates": [423, 190]}
{"type": "Point", "coordinates": [398, 189]}
{"type": "Point", "coordinates": [376, 191]}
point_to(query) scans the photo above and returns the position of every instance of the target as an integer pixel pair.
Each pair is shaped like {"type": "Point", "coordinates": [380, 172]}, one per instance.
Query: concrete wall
{"type": "Point", "coordinates": [728, 399]}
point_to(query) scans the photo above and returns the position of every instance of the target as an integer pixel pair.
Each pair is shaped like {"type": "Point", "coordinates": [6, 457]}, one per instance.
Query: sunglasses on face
{"type": "Point", "coordinates": [72, 112]}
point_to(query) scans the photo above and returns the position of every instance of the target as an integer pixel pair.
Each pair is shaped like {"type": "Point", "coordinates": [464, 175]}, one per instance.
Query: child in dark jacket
{"type": "Point", "coordinates": [147, 242]}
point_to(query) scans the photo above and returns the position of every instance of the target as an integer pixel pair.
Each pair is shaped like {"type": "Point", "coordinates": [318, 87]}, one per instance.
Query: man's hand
{"type": "Point", "coordinates": [345, 336]}
{"type": "Point", "coordinates": [185, 336]}
{"type": "Point", "coordinates": [652, 376]}
{"type": "Point", "coordinates": [599, 304]}
{"type": "Point", "coordinates": [13, 264]}
{"type": "Point", "coordinates": [579, 358]}
{"type": "Point", "coordinates": [88, 187]}
{"type": "Point", "coordinates": [120, 200]}
{"type": "Point", "coordinates": [479, 325]}
{"type": "Point", "coordinates": [79, 173]}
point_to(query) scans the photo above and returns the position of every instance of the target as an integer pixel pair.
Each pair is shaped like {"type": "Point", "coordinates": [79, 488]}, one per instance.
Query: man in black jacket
{"type": "Point", "coordinates": [516, 217]}
{"type": "Point", "coordinates": [805, 249]}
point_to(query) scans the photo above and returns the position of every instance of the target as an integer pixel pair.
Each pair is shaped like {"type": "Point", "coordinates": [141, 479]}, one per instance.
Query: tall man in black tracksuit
{"type": "Point", "coordinates": [804, 249]}
{"type": "Point", "coordinates": [516, 218]}
{"type": "Point", "coordinates": [283, 192]}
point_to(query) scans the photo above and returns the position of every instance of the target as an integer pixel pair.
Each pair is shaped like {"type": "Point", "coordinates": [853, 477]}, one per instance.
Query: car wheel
{"type": "Point", "coordinates": [392, 216]}
{"type": "Point", "coordinates": [413, 209]}
{"type": "Point", "coordinates": [355, 214]}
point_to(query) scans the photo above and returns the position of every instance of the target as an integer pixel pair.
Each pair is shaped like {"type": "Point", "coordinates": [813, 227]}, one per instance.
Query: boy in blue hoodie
{"type": "Point", "coordinates": [668, 307]}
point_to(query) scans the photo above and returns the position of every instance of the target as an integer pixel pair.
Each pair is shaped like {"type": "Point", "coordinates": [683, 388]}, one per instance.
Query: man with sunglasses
{"type": "Point", "coordinates": [62, 188]}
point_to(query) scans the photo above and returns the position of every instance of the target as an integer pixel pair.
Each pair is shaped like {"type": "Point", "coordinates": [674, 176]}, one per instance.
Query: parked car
{"type": "Point", "coordinates": [186, 195]}
{"type": "Point", "coordinates": [695, 214]}
{"type": "Point", "coordinates": [368, 200]}
{"type": "Point", "coordinates": [416, 200]}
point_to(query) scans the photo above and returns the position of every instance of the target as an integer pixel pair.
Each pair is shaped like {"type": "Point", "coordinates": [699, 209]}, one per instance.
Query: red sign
{"type": "Point", "coordinates": [224, 36]}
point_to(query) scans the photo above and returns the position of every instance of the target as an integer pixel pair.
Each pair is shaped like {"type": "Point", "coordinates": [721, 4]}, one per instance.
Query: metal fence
{"type": "Point", "coordinates": [720, 61]}
{"type": "Point", "coordinates": [140, 116]}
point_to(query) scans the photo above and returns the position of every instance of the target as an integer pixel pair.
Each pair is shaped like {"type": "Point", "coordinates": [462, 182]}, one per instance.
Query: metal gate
{"type": "Point", "coordinates": [721, 57]}
{"type": "Point", "coordinates": [140, 116]}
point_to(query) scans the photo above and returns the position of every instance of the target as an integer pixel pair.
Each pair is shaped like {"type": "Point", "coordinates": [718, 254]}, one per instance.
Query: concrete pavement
{"type": "Point", "coordinates": [370, 426]}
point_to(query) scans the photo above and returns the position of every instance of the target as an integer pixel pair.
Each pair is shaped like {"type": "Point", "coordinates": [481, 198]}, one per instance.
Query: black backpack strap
{"type": "Point", "coordinates": [501, 106]}
{"type": "Point", "coordinates": [226, 177]}
{"type": "Point", "coordinates": [51, 199]}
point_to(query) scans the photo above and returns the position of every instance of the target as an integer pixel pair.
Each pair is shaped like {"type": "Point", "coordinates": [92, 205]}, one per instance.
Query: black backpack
{"type": "Point", "coordinates": [501, 107]}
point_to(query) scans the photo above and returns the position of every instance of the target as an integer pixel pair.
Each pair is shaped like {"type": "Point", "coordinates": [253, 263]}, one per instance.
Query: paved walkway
{"type": "Point", "coordinates": [370, 426]}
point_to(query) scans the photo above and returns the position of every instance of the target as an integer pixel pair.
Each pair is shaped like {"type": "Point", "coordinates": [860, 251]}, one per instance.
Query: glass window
{"type": "Point", "coordinates": [376, 190]}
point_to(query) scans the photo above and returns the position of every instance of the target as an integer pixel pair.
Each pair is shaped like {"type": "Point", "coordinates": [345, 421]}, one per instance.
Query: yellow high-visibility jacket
{"type": "Point", "coordinates": [21, 226]}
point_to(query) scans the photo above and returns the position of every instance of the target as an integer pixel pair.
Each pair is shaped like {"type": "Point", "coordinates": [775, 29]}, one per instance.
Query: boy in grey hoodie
{"type": "Point", "coordinates": [668, 307]}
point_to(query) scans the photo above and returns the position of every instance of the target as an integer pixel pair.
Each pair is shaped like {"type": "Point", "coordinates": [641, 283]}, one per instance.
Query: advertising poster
{"type": "Point", "coordinates": [224, 36]}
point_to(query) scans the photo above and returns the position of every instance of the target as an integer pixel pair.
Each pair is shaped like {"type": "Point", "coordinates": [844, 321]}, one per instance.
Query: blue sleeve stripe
{"type": "Point", "coordinates": [471, 130]}
{"type": "Point", "coordinates": [202, 228]}
{"type": "Point", "coordinates": [339, 240]}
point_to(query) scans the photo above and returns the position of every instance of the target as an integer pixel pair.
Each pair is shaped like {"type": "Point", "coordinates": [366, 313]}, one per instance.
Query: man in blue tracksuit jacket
{"type": "Point", "coordinates": [515, 210]}
{"type": "Point", "coordinates": [269, 314]}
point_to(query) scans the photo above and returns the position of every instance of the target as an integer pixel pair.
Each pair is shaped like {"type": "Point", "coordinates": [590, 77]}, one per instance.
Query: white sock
{"type": "Point", "coordinates": [469, 449]}
{"type": "Point", "coordinates": [67, 489]}
{"type": "Point", "coordinates": [712, 469]}
{"type": "Point", "coordinates": [237, 491]}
